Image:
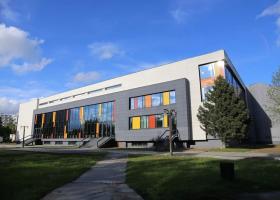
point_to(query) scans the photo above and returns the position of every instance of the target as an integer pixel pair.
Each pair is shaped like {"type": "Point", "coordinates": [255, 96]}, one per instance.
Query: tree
{"type": "Point", "coordinates": [274, 94]}
{"type": "Point", "coordinates": [224, 114]}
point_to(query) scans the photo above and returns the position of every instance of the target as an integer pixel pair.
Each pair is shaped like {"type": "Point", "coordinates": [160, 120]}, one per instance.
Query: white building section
{"type": "Point", "coordinates": [188, 68]}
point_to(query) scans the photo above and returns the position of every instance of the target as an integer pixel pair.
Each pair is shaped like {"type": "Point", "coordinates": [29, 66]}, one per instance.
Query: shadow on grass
{"type": "Point", "coordinates": [156, 177]}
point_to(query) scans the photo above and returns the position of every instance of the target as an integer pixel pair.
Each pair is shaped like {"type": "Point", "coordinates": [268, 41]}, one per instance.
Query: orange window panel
{"type": "Point", "coordinates": [152, 121]}
{"type": "Point", "coordinates": [207, 82]}
{"type": "Point", "coordinates": [35, 119]}
{"type": "Point", "coordinates": [148, 101]}
{"type": "Point", "coordinates": [65, 133]}
{"type": "Point", "coordinates": [81, 113]}
{"type": "Point", "coordinates": [97, 130]}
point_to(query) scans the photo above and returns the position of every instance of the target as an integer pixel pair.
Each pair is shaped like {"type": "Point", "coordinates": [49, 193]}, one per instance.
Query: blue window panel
{"type": "Point", "coordinates": [132, 107]}
{"type": "Point", "coordinates": [157, 99]}
{"type": "Point", "coordinates": [206, 71]}
{"type": "Point", "coordinates": [140, 102]}
{"type": "Point", "coordinates": [172, 96]}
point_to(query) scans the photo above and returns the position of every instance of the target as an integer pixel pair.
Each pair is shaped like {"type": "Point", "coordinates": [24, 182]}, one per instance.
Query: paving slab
{"type": "Point", "coordinates": [104, 181]}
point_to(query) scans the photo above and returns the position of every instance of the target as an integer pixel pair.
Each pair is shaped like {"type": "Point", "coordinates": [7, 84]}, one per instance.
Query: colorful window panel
{"type": "Point", "coordinates": [148, 122]}
{"type": "Point", "coordinates": [153, 100]}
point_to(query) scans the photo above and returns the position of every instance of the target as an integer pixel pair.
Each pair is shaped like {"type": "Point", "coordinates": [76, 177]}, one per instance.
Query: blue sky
{"type": "Point", "coordinates": [52, 46]}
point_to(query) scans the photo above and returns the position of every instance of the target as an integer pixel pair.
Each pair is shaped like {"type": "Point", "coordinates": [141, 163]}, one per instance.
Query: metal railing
{"type": "Point", "coordinates": [105, 140]}
{"type": "Point", "coordinates": [82, 141]}
{"type": "Point", "coordinates": [174, 135]}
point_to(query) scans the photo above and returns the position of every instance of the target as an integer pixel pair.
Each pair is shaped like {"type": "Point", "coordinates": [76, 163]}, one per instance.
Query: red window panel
{"type": "Point", "coordinates": [152, 121]}
{"type": "Point", "coordinates": [67, 115]}
{"type": "Point", "coordinates": [135, 103]}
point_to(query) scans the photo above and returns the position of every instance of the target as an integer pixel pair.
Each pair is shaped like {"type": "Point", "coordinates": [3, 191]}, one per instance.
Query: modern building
{"type": "Point", "coordinates": [265, 125]}
{"type": "Point", "coordinates": [130, 109]}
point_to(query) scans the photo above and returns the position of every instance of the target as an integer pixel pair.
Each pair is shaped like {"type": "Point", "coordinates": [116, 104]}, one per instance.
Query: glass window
{"type": "Point", "coordinates": [140, 102]}
{"type": "Point", "coordinates": [159, 121]}
{"type": "Point", "coordinates": [144, 122]}
{"type": "Point", "coordinates": [205, 90]}
{"type": "Point", "coordinates": [206, 71]}
{"type": "Point", "coordinates": [172, 96]}
{"type": "Point", "coordinates": [157, 99]}
{"type": "Point", "coordinates": [132, 103]}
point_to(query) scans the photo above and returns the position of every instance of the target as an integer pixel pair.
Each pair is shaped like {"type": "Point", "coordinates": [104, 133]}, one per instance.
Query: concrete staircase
{"type": "Point", "coordinates": [92, 143]}
{"type": "Point", "coordinates": [95, 143]}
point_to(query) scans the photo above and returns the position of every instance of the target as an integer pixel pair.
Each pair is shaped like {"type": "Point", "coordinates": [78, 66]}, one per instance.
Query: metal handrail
{"type": "Point", "coordinates": [83, 141]}
{"type": "Point", "coordinates": [28, 136]}
{"type": "Point", "coordinates": [106, 140]}
{"type": "Point", "coordinates": [173, 136]}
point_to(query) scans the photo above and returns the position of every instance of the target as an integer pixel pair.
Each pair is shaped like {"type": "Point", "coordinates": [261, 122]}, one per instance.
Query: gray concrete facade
{"type": "Point", "coordinates": [123, 112]}
{"type": "Point", "coordinates": [265, 129]}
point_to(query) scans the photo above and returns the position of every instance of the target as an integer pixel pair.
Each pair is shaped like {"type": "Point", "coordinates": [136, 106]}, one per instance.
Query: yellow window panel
{"type": "Point", "coordinates": [54, 118]}
{"type": "Point", "coordinates": [99, 109]}
{"type": "Point", "coordinates": [165, 121]}
{"type": "Point", "coordinates": [135, 122]}
{"type": "Point", "coordinates": [65, 133]}
{"type": "Point", "coordinates": [81, 113]}
{"type": "Point", "coordinates": [166, 98]}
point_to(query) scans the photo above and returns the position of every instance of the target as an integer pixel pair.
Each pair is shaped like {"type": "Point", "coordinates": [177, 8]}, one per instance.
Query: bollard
{"type": "Point", "coordinates": [227, 170]}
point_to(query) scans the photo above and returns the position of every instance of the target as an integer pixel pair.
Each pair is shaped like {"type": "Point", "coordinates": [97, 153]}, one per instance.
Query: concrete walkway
{"type": "Point", "coordinates": [104, 181]}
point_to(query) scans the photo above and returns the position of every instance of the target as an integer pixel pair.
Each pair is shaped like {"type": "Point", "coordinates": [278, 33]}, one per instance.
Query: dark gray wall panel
{"type": "Point", "coordinates": [123, 113]}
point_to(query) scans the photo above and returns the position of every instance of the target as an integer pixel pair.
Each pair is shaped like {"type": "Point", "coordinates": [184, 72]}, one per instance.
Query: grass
{"type": "Point", "coordinates": [159, 177]}
{"type": "Point", "coordinates": [27, 175]}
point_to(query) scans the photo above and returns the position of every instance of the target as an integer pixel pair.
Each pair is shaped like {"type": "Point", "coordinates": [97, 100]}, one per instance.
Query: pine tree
{"type": "Point", "coordinates": [223, 114]}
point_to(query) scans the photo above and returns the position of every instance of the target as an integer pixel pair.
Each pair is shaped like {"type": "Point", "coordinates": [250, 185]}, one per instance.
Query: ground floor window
{"type": "Point", "coordinates": [148, 122]}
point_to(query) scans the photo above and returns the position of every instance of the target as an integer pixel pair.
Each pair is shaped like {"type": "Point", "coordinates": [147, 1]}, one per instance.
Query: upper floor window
{"type": "Point", "coordinates": [206, 71]}
{"type": "Point", "coordinates": [153, 100]}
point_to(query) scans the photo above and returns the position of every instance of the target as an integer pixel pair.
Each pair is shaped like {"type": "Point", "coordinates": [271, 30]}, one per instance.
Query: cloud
{"type": "Point", "coordinates": [18, 50]}
{"type": "Point", "coordinates": [179, 15]}
{"type": "Point", "coordinates": [273, 10]}
{"type": "Point", "coordinates": [8, 106]}
{"type": "Point", "coordinates": [6, 12]}
{"type": "Point", "coordinates": [26, 67]}
{"type": "Point", "coordinates": [105, 51]}
{"type": "Point", "coordinates": [11, 97]}
{"type": "Point", "coordinates": [86, 77]}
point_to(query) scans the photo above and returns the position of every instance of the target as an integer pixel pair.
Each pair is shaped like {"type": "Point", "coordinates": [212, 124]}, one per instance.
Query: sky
{"type": "Point", "coordinates": [48, 46]}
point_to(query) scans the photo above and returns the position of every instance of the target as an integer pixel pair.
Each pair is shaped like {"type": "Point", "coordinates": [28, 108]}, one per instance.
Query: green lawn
{"type": "Point", "coordinates": [26, 175]}
{"type": "Point", "coordinates": [155, 177]}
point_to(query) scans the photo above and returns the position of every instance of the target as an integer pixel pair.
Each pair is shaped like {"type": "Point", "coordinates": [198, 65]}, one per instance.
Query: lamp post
{"type": "Point", "coordinates": [170, 114]}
